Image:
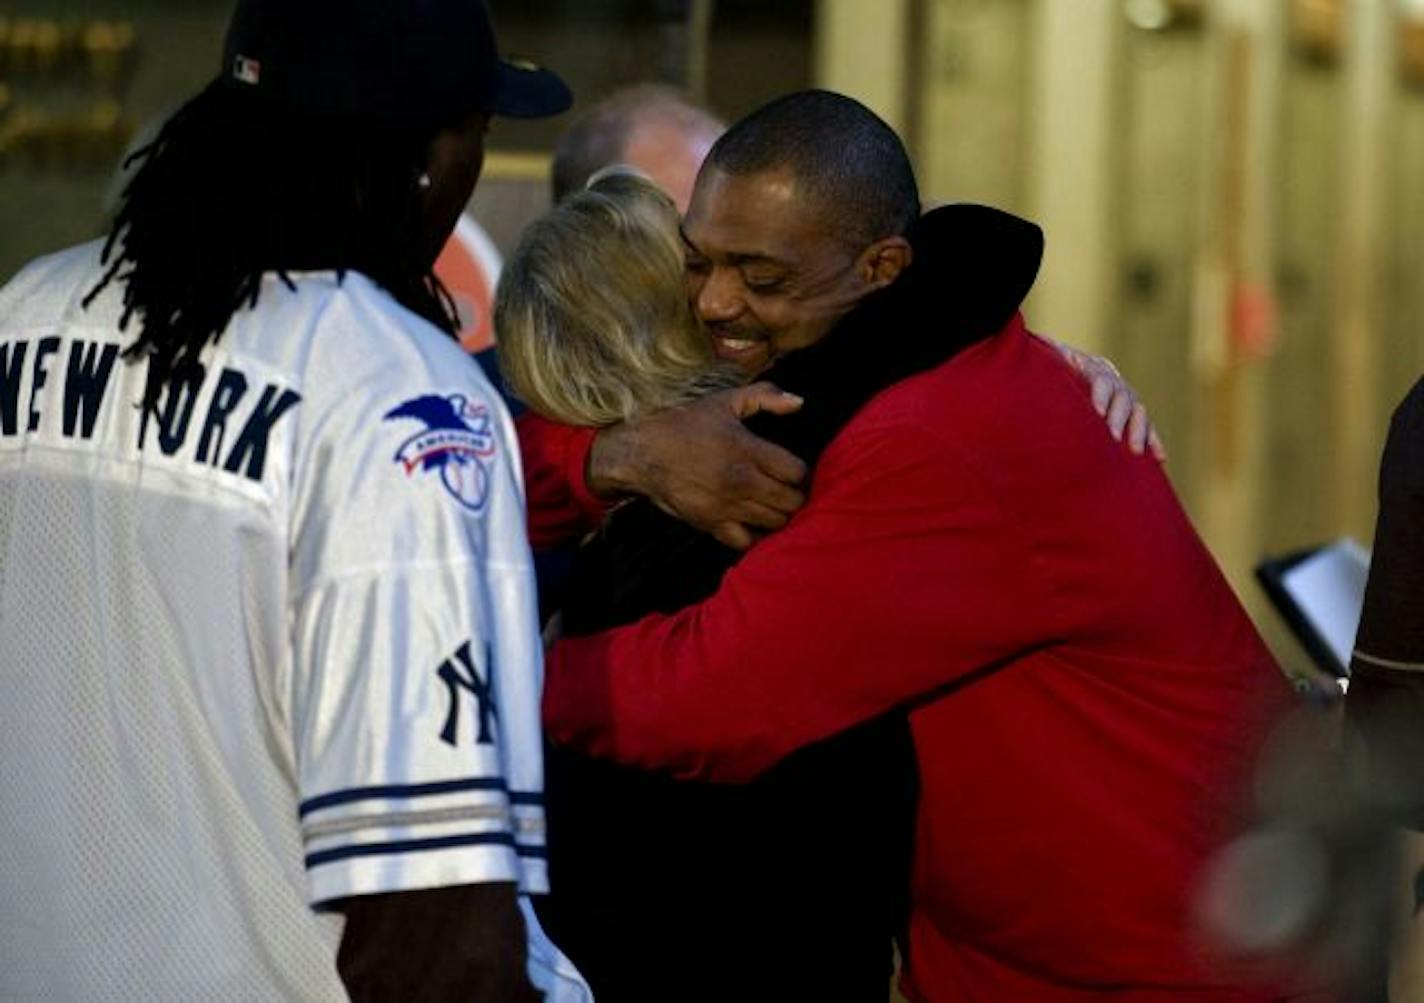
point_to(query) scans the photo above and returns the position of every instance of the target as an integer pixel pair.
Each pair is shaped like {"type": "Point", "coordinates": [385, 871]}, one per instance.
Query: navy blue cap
{"type": "Point", "coordinates": [383, 59]}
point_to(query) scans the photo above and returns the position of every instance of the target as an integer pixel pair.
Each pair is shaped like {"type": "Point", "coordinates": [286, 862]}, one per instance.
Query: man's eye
{"type": "Point", "coordinates": [698, 265]}
{"type": "Point", "coordinates": [764, 284]}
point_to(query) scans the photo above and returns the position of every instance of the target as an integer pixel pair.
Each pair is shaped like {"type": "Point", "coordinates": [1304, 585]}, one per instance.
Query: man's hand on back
{"type": "Point", "coordinates": [699, 464]}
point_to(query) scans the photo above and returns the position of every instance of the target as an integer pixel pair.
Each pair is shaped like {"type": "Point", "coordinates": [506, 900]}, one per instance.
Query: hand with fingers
{"type": "Point", "coordinates": [698, 463]}
{"type": "Point", "coordinates": [1115, 401]}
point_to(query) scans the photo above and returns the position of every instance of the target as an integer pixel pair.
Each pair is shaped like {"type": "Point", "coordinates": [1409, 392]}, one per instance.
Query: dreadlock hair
{"type": "Point", "coordinates": [234, 186]}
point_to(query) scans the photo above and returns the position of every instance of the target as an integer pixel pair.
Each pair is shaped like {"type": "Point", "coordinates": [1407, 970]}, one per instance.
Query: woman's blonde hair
{"type": "Point", "coordinates": [591, 317]}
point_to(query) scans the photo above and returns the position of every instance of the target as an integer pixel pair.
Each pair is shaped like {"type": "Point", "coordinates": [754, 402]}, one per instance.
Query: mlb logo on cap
{"type": "Point", "coordinates": [249, 71]}
{"type": "Point", "coordinates": [382, 59]}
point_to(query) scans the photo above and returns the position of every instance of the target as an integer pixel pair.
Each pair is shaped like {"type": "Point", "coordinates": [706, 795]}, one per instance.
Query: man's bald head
{"type": "Point", "coordinates": [849, 165]}
{"type": "Point", "coordinates": [656, 129]}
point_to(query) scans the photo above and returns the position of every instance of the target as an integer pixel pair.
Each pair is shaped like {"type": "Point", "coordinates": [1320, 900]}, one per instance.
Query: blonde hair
{"type": "Point", "coordinates": [591, 316]}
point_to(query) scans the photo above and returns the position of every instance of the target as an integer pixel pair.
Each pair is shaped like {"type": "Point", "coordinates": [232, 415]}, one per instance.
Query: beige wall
{"type": "Point", "coordinates": [863, 49]}
{"type": "Point", "coordinates": [1179, 173]}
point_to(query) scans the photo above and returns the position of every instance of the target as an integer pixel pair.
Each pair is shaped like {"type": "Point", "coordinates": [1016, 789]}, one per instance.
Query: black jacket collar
{"type": "Point", "coordinates": [972, 267]}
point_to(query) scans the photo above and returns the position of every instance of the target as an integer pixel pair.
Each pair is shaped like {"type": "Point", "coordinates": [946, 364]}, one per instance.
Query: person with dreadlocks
{"type": "Point", "coordinates": [269, 693]}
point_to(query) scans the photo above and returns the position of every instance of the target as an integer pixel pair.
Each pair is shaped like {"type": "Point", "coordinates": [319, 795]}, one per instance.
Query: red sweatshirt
{"type": "Point", "coordinates": [1088, 694]}
{"type": "Point", "coordinates": [561, 508]}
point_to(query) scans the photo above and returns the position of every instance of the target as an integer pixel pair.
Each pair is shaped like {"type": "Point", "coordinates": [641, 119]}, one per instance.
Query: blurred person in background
{"type": "Point", "coordinates": [268, 702]}
{"type": "Point", "coordinates": [655, 129]}
{"type": "Point", "coordinates": [1085, 695]}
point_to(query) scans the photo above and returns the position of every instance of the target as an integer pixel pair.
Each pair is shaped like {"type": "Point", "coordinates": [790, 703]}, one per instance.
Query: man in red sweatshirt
{"type": "Point", "coordinates": [1086, 695]}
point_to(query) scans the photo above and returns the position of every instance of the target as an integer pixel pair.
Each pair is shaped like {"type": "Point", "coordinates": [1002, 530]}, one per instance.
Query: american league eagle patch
{"type": "Point", "coordinates": [457, 444]}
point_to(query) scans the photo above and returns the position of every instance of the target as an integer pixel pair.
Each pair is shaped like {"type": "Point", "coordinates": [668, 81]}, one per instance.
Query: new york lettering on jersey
{"type": "Point", "coordinates": [216, 416]}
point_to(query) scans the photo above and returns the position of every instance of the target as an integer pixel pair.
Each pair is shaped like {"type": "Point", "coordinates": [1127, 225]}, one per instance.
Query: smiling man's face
{"type": "Point", "coordinates": [766, 273]}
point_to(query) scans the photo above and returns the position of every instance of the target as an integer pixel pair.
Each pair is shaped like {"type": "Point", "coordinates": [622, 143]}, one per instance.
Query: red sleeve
{"type": "Point", "coordinates": [844, 614]}
{"type": "Point", "coordinates": [561, 508]}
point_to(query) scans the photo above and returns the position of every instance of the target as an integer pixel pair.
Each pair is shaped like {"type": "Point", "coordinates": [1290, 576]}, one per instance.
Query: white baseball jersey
{"type": "Point", "coordinates": [272, 646]}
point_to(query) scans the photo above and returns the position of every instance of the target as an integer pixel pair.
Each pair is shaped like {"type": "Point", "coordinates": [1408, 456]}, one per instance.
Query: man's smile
{"type": "Point", "coordinates": [739, 348]}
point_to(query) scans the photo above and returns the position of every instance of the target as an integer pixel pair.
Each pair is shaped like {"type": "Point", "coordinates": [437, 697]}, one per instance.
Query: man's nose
{"type": "Point", "coordinates": [719, 298]}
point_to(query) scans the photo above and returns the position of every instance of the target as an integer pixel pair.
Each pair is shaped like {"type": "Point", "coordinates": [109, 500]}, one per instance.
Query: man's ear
{"type": "Point", "coordinates": [882, 262]}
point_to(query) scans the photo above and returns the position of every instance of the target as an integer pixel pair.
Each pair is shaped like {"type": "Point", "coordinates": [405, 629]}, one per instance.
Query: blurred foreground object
{"type": "Point", "coordinates": [1309, 889]}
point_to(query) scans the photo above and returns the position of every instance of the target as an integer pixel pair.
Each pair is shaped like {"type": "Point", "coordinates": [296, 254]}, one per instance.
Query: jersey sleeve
{"type": "Point", "coordinates": [831, 621]}
{"type": "Point", "coordinates": [416, 664]}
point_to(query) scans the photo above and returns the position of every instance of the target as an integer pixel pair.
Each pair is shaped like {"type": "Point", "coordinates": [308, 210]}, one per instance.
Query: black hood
{"type": "Point", "coordinates": [972, 267]}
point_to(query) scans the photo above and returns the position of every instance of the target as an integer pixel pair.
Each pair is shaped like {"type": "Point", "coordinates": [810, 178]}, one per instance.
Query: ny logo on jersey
{"type": "Point", "coordinates": [458, 672]}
